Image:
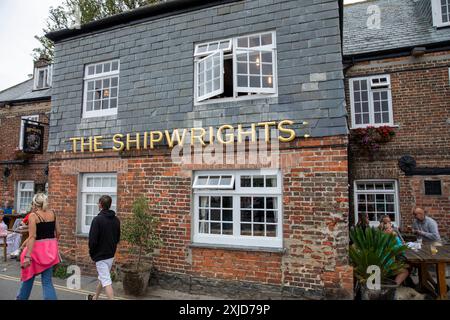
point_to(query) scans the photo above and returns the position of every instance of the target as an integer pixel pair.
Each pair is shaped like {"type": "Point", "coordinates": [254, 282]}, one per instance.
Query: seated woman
{"type": "Point", "coordinates": [12, 239]}
{"type": "Point", "coordinates": [385, 219]}
{"type": "Point", "coordinates": [389, 229]}
{"type": "Point", "coordinates": [363, 220]}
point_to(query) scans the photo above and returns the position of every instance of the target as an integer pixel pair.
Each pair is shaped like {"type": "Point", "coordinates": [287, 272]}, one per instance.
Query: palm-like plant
{"type": "Point", "coordinates": [372, 246]}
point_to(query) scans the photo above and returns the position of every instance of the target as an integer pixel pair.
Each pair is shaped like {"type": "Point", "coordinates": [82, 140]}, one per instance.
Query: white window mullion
{"type": "Point", "coordinates": [371, 106]}
{"type": "Point", "coordinates": [236, 216]}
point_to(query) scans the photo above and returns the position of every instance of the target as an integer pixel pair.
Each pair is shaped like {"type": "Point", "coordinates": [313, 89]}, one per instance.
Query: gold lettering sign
{"type": "Point", "coordinates": [225, 134]}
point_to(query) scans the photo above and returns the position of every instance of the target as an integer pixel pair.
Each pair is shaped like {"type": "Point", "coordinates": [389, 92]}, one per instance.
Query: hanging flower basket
{"type": "Point", "coordinates": [370, 138]}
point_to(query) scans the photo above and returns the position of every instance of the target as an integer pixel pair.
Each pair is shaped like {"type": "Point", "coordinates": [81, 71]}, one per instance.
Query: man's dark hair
{"type": "Point", "coordinates": [105, 202]}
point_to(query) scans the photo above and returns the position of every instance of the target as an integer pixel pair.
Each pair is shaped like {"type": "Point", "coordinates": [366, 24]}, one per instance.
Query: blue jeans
{"type": "Point", "coordinates": [48, 290]}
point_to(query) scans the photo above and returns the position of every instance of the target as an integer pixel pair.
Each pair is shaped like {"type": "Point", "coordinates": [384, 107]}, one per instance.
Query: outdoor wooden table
{"type": "Point", "coordinates": [423, 258]}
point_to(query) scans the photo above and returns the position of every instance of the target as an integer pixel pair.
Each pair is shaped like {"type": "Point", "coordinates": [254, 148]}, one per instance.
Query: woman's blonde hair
{"type": "Point", "coordinates": [40, 200]}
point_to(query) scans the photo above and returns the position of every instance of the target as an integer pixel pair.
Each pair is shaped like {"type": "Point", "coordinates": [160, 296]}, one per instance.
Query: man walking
{"type": "Point", "coordinates": [424, 226]}
{"type": "Point", "coordinates": [104, 236]}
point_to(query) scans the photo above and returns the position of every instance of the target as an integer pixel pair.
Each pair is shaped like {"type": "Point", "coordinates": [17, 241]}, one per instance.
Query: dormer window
{"type": "Point", "coordinates": [441, 13]}
{"type": "Point", "coordinates": [42, 77]}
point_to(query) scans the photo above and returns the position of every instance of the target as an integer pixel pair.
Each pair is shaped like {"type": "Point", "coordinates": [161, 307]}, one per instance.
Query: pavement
{"type": "Point", "coordinates": [10, 282]}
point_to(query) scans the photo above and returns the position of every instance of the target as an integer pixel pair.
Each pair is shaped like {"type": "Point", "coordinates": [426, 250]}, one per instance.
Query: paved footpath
{"type": "Point", "coordinates": [10, 282]}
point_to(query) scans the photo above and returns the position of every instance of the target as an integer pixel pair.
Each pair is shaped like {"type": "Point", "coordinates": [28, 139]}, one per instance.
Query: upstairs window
{"type": "Point", "coordinates": [371, 101]}
{"type": "Point", "coordinates": [101, 87]}
{"type": "Point", "coordinates": [441, 13]}
{"type": "Point", "coordinates": [236, 68]}
{"type": "Point", "coordinates": [42, 77]}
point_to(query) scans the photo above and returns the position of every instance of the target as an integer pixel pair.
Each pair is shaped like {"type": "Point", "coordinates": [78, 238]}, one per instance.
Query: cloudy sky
{"type": "Point", "coordinates": [20, 21]}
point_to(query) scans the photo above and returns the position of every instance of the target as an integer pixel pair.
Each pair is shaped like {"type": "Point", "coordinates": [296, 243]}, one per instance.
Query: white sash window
{"type": "Point", "coordinates": [238, 208]}
{"type": "Point", "coordinates": [93, 187]}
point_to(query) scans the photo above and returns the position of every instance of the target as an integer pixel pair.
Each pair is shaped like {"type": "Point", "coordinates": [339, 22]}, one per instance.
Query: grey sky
{"type": "Point", "coordinates": [20, 21]}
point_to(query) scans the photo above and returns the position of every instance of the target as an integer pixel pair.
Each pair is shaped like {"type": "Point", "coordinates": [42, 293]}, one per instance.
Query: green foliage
{"type": "Point", "coordinates": [73, 13]}
{"type": "Point", "coordinates": [114, 276]}
{"type": "Point", "coordinates": [372, 246]}
{"type": "Point", "coordinates": [60, 271]}
{"type": "Point", "coordinates": [140, 229]}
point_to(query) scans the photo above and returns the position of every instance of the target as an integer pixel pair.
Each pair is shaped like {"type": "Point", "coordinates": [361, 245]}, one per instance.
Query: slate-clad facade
{"type": "Point", "coordinates": [146, 61]}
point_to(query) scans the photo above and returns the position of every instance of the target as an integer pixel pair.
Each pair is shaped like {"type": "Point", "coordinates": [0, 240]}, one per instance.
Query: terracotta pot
{"type": "Point", "coordinates": [135, 282]}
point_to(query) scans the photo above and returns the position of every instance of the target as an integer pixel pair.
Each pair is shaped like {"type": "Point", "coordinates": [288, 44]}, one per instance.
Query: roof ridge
{"type": "Point", "coordinates": [9, 88]}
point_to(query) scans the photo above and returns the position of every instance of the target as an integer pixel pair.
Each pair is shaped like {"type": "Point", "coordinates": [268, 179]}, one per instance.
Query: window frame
{"type": "Point", "coordinates": [395, 192]}
{"type": "Point", "coordinates": [196, 184]}
{"type": "Point", "coordinates": [19, 191]}
{"type": "Point", "coordinates": [236, 239]}
{"type": "Point", "coordinates": [425, 181]}
{"type": "Point", "coordinates": [48, 70]}
{"type": "Point", "coordinates": [370, 92]}
{"type": "Point", "coordinates": [437, 14]}
{"type": "Point", "coordinates": [220, 90]}
{"type": "Point", "coordinates": [85, 190]}
{"type": "Point", "coordinates": [260, 93]}
{"type": "Point", "coordinates": [34, 117]}
{"type": "Point", "coordinates": [100, 76]}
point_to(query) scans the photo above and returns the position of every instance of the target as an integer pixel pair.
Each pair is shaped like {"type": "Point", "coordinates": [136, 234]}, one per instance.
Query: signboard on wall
{"type": "Point", "coordinates": [33, 138]}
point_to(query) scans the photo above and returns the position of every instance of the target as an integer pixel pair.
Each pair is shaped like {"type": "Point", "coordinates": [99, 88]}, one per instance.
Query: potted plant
{"type": "Point", "coordinates": [373, 247]}
{"type": "Point", "coordinates": [140, 232]}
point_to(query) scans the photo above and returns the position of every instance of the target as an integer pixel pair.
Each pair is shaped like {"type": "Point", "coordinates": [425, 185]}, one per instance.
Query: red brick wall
{"type": "Point", "coordinates": [421, 106]}
{"type": "Point", "coordinates": [315, 217]}
{"type": "Point", "coordinates": [10, 120]}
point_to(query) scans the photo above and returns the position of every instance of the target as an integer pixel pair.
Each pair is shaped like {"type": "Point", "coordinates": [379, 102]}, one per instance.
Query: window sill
{"type": "Point", "coordinates": [236, 248]}
{"type": "Point", "coordinates": [376, 126]}
{"type": "Point", "coordinates": [82, 235]}
{"type": "Point", "coordinates": [237, 99]}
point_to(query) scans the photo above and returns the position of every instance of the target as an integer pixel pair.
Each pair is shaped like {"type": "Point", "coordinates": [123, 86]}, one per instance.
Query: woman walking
{"type": "Point", "coordinates": [41, 251]}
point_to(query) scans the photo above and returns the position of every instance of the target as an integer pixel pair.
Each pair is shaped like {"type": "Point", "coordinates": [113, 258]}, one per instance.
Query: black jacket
{"type": "Point", "coordinates": [104, 235]}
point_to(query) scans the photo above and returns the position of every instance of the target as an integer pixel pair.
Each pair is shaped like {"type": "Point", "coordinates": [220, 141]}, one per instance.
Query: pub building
{"type": "Point", "coordinates": [399, 77]}
{"type": "Point", "coordinates": [229, 117]}
{"type": "Point", "coordinates": [24, 113]}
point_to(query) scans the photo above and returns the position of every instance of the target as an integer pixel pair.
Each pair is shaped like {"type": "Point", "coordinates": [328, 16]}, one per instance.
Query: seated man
{"type": "Point", "coordinates": [424, 226]}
